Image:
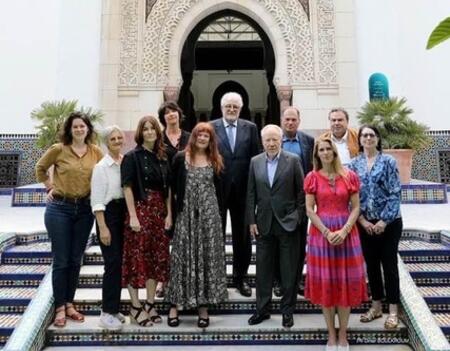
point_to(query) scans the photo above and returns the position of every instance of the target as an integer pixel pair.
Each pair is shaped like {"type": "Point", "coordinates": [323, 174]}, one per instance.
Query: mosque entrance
{"type": "Point", "coordinates": [228, 51]}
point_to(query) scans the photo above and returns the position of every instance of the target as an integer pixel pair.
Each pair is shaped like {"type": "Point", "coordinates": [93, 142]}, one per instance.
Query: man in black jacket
{"type": "Point", "coordinates": [238, 143]}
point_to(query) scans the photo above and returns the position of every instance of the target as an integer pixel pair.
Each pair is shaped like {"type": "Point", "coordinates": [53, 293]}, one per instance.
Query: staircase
{"type": "Point", "coordinates": [429, 266]}
{"type": "Point", "coordinates": [228, 321]}
{"type": "Point", "coordinates": [21, 271]}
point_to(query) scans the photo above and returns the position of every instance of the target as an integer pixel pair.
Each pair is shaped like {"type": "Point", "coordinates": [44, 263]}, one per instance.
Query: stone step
{"type": "Point", "coordinates": [93, 255]}
{"type": "Point", "coordinates": [223, 330]}
{"type": "Point", "coordinates": [91, 276]}
{"type": "Point", "coordinates": [7, 325]}
{"type": "Point", "coordinates": [15, 300]}
{"type": "Point", "coordinates": [89, 301]}
{"type": "Point", "coordinates": [22, 275]}
{"type": "Point", "coordinates": [234, 347]}
{"type": "Point", "coordinates": [413, 251]}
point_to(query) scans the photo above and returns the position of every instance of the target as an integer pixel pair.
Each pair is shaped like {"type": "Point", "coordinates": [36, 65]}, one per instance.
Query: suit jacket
{"type": "Point", "coordinates": [237, 163]}
{"type": "Point", "coordinates": [285, 200]}
{"type": "Point", "coordinates": [307, 148]}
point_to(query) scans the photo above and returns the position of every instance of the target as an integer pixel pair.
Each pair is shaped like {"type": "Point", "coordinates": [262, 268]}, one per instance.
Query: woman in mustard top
{"type": "Point", "coordinates": [68, 215]}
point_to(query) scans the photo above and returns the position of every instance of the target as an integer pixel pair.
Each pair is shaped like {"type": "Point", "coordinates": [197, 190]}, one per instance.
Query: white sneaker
{"type": "Point", "coordinates": [344, 348]}
{"type": "Point", "coordinates": [110, 322]}
{"type": "Point", "coordinates": [120, 317]}
{"type": "Point", "coordinates": [331, 347]}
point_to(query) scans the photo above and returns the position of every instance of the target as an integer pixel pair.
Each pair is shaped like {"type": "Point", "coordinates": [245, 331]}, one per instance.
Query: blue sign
{"type": "Point", "coordinates": [378, 87]}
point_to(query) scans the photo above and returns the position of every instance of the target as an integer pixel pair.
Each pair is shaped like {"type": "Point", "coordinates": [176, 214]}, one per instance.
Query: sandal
{"type": "Point", "coordinates": [75, 315]}
{"type": "Point", "coordinates": [203, 322]}
{"type": "Point", "coordinates": [139, 316]}
{"type": "Point", "coordinates": [370, 315]}
{"type": "Point", "coordinates": [149, 307]}
{"type": "Point", "coordinates": [391, 321]}
{"type": "Point", "coordinates": [173, 321]}
{"type": "Point", "coordinates": [60, 317]}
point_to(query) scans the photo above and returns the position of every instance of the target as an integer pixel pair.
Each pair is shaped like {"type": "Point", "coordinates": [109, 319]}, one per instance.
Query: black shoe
{"type": "Point", "coordinates": [277, 291]}
{"type": "Point", "coordinates": [301, 290]}
{"type": "Point", "coordinates": [173, 321]}
{"type": "Point", "coordinates": [258, 318]}
{"type": "Point", "coordinates": [244, 289]}
{"type": "Point", "coordinates": [203, 322]}
{"type": "Point", "coordinates": [288, 320]}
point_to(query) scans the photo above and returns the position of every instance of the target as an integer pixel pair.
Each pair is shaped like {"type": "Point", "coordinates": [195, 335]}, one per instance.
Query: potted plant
{"type": "Point", "coordinates": [401, 135]}
{"type": "Point", "coordinates": [51, 116]}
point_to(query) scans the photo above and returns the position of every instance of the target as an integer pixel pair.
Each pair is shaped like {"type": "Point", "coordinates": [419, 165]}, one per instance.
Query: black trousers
{"type": "Point", "coordinates": [381, 251]}
{"type": "Point", "coordinates": [112, 256]}
{"type": "Point", "coordinates": [242, 246]}
{"type": "Point", "coordinates": [267, 246]}
{"type": "Point", "coordinates": [303, 230]}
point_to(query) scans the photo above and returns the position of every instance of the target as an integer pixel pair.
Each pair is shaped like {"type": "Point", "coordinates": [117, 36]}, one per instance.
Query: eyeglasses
{"type": "Point", "coordinates": [235, 107]}
{"type": "Point", "coordinates": [366, 135]}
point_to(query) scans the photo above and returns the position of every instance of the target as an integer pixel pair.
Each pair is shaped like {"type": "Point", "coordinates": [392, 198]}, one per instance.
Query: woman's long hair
{"type": "Point", "coordinates": [212, 151]}
{"type": "Point", "coordinates": [65, 135]}
{"type": "Point", "coordinates": [336, 164]}
{"type": "Point", "coordinates": [159, 149]}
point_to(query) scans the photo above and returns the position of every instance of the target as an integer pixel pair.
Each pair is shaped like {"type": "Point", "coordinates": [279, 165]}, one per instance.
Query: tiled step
{"type": "Point", "coordinates": [93, 255]}
{"type": "Point", "coordinates": [89, 301]}
{"type": "Point", "coordinates": [443, 320]}
{"type": "Point", "coordinates": [430, 274]}
{"type": "Point", "coordinates": [235, 348]}
{"type": "Point", "coordinates": [437, 298]}
{"type": "Point", "coordinates": [223, 330]}
{"type": "Point", "coordinates": [422, 251]}
{"type": "Point", "coordinates": [15, 300]}
{"type": "Point", "coordinates": [7, 325]}
{"type": "Point", "coordinates": [22, 275]}
{"type": "Point", "coordinates": [35, 253]}
{"type": "Point", "coordinates": [91, 276]}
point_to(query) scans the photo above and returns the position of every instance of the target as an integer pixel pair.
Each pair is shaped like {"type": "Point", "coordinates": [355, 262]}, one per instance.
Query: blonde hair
{"type": "Point", "coordinates": [336, 164]}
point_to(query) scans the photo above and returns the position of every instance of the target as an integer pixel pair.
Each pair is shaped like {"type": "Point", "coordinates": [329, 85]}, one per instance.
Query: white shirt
{"type": "Point", "coordinates": [342, 148]}
{"type": "Point", "coordinates": [105, 183]}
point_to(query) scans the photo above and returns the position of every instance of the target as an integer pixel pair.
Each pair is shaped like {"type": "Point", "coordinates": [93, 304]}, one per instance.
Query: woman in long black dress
{"type": "Point", "coordinates": [197, 261]}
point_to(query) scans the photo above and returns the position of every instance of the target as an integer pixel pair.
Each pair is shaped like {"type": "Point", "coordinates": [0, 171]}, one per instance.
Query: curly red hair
{"type": "Point", "coordinates": [212, 151]}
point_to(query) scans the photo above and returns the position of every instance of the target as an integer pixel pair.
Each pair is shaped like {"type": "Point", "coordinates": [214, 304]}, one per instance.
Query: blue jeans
{"type": "Point", "coordinates": [68, 226]}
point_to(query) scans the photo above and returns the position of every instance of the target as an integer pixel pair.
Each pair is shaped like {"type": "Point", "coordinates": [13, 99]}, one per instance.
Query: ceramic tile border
{"type": "Point", "coordinates": [29, 334]}
{"type": "Point", "coordinates": [425, 333]}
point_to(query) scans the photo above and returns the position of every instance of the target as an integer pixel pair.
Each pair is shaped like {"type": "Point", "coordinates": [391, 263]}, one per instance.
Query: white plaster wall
{"type": "Point", "coordinates": [391, 38]}
{"type": "Point", "coordinates": [49, 50]}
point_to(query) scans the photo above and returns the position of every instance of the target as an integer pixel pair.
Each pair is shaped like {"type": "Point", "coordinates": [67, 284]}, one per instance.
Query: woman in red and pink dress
{"type": "Point", "coordinates": [335, 276]}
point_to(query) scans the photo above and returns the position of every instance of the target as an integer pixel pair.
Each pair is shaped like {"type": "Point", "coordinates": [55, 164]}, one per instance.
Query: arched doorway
{"type": "Point", "coordinates": [226, 59]}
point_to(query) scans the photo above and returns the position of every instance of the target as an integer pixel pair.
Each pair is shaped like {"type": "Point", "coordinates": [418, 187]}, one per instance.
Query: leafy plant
{"type": "Point", "coordinates": [439, 34]}
{"type": "Point", "coordinates": [51, 116]}
{"type": "Point", "coordinates": [397, 129]}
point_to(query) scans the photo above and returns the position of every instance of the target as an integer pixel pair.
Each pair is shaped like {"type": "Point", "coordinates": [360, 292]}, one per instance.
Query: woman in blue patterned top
{"type": "Point", "coordinates": [380, 223]}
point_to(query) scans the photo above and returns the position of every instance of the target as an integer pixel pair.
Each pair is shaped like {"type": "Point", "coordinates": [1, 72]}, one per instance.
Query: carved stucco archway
{"type": "Point", "coordinates": [151, 47]}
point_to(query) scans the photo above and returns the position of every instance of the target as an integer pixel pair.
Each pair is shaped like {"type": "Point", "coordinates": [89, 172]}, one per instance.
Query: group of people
{"type": "Point", "coordinates": [177, 187]}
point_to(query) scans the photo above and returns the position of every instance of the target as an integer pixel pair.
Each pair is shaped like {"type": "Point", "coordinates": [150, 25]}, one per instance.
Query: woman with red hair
{"type": "Point", "coordinates": [197, 260]}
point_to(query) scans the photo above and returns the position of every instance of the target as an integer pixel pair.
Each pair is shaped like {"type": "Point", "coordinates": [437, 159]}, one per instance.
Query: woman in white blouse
{"type": "Point", "coordinates": [109, 208]}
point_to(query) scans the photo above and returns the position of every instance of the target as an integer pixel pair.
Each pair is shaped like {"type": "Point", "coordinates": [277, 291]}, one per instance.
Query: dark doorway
{"type": "Point", "coordinates": [230, 56]}
{"type": "Point", "coordinates": [225, 88]}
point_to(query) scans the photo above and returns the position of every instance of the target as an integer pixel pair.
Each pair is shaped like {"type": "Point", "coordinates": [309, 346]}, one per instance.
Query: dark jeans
{"type": "Point", "coordinates": [286, 243]}
{"type": "Point", "coordinates": [242, 245]}
{"type": "Point", "coordinates": [381, 250]}
{"type": "Point", "coordinates": [112, 256]}
{"type": "Point", "coordinates": [68, 226]}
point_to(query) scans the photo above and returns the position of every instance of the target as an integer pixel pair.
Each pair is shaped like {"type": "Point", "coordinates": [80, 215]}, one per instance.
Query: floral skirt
{"type": "Point", "coordinates": [146, 253]}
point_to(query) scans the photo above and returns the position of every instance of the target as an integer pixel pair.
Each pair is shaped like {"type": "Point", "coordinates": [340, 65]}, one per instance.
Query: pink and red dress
{"type": "Point", "coordinates": [335, 273]}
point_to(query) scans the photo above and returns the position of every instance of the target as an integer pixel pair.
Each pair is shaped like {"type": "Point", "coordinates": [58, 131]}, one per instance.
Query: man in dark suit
{"type": "Point", "coordinates": [275, 209]}
{"type": "Point", "coordinates": [238, 143]}
{"type": "Point", "coordinates": [302, 145]}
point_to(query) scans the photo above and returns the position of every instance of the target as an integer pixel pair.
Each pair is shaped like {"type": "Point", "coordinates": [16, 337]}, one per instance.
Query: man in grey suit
{"type": "Point", "coordinates": [238, 142]}
{"type": "Point", "coordinates": [302, 145]}
{"type": "Point", "coordinates": [275, 209]}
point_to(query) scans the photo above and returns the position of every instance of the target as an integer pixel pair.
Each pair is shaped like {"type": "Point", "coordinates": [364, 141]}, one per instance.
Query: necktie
{"type": "Point", "coordinates": [230, 134]}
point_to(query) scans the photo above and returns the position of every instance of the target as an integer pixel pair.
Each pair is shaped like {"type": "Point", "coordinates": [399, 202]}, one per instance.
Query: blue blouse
{"type": "Point", "coordinates": [380, 192]}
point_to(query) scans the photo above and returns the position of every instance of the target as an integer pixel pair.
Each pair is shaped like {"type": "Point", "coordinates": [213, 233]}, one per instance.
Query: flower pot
{"type": "Point", "coordinates": [404, 162]}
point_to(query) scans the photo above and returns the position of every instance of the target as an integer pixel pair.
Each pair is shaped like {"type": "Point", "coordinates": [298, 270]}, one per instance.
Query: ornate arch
{"type": "Point", "coordinates": [151, 47]}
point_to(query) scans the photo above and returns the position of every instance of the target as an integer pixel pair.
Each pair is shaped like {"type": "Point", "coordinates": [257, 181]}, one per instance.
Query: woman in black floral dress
{"type": "Point", "coordinates": [145, 181]}
{"type": "Point", "coordinates": [197, 261]}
